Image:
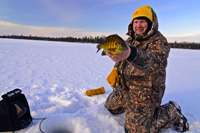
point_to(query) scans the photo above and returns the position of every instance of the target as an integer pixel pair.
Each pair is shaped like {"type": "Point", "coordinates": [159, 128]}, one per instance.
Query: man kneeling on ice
{"type": "Point", "coordinates": [138, 79]}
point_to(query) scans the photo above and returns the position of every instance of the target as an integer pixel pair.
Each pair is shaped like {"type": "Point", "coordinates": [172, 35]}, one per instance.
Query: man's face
{"type": "Point", "coordinates": [139, 26]}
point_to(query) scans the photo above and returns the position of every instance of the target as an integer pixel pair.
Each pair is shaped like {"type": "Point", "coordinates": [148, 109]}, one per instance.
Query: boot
{"type": "Point", "coordinates": [182, 124]}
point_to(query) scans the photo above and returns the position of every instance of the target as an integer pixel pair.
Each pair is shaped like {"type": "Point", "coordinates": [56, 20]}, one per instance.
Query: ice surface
{"type": "Point", "coordinates": [54, 76]}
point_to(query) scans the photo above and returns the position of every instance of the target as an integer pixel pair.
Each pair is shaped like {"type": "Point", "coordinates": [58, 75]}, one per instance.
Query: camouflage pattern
{"type": "Point", "coordinates": [143, 84]}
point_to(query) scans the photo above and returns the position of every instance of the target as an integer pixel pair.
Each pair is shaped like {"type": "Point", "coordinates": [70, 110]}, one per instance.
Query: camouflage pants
{"type": "Point", "coordinates": [151, 119]}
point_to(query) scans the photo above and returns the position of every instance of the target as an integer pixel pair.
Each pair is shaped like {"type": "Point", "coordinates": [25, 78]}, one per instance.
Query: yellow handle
{"type": "Point", "coordinates": [97, 91]}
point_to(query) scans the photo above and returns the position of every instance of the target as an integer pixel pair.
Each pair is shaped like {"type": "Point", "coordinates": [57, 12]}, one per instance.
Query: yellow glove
{"type": "Point", "coordinates": [97, 91]}
{"type": "Point", "coordinates": [113, 78]}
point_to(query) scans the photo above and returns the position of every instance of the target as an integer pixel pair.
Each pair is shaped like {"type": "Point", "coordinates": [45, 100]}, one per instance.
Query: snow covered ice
{"type": "Point", "coordinates": [54, 77]}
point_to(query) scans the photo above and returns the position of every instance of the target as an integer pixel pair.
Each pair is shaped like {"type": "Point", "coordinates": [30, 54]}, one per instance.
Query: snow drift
{"type": "Point", "coordinates": [54, 76]}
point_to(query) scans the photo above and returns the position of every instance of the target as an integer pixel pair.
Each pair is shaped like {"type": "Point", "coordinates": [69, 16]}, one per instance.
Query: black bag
{"type": "Point", "coordinates": [14, 111]}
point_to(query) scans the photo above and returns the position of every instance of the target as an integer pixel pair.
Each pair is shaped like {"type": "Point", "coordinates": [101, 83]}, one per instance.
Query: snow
{"type": "Point", "coordinates": [54, 77]}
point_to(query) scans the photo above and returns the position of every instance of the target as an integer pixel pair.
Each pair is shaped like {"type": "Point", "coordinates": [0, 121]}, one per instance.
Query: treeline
{"type": "Point", "coordinates": [86, 39]}
{"type": "Point", "coordinates": [97, 39]}
{"type": "Point", "coordinates": [185, 45]}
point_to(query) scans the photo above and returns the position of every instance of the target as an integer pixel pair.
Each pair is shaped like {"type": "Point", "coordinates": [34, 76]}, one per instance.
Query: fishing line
{"type": "Point", "coordinates": [42, 119]}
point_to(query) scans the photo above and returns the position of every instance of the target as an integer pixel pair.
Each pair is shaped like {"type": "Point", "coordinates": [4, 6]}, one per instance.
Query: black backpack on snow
{"type": "Point", "coordinates": [14, 111]}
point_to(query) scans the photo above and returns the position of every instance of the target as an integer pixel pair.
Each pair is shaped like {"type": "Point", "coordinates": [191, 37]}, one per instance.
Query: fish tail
{"type": "Point", "coordinates": [98, 48]}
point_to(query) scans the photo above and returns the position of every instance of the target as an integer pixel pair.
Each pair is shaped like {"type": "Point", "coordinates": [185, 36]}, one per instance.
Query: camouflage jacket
{"type": "Point", "coordinates": [143, 78]}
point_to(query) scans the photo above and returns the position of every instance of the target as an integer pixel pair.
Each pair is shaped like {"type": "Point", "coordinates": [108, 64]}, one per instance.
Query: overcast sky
{"type": "Point", "coordinates": [179, 20]}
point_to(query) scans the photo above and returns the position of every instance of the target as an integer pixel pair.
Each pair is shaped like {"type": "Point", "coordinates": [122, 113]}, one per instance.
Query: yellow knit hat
{"type": "Point", "coordinates": [144, 11]}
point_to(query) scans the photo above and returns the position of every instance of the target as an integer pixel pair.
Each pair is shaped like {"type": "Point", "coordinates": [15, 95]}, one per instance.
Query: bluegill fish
{"type": "Point", "coordinates": [113, 44]}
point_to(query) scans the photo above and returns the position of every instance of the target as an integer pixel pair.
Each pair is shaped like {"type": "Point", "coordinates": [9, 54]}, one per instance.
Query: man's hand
{"type": "Point", "coordinates": [120, 57]}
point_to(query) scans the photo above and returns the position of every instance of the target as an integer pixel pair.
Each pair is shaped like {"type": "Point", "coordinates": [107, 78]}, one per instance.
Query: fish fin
{"type": "Point", "coordinates": [103, 53]}
{"type": "Point", "coordinates": [98, 47]}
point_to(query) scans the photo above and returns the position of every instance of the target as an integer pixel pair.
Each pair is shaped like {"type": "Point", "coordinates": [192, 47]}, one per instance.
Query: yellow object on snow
{"type": "Point", "coordinates": [97, 91]}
